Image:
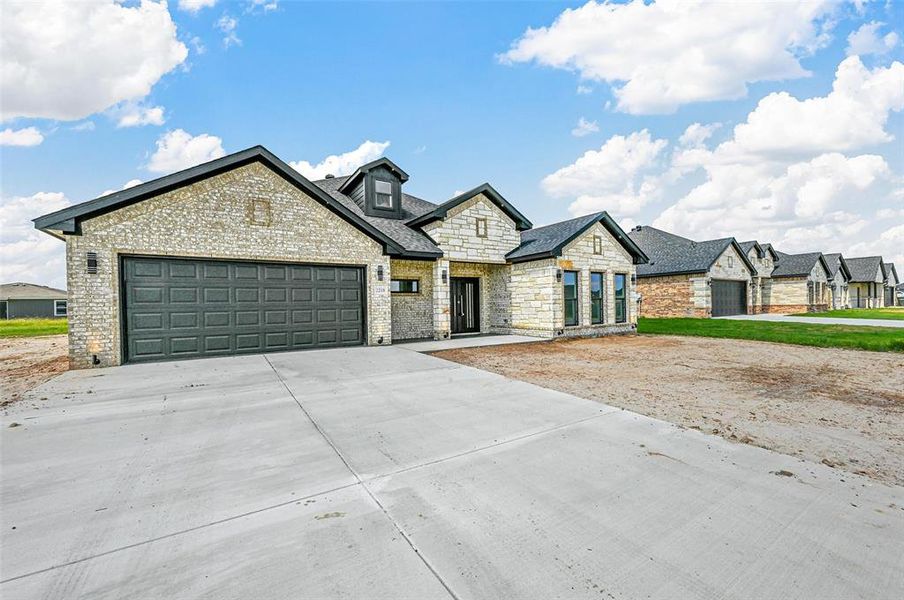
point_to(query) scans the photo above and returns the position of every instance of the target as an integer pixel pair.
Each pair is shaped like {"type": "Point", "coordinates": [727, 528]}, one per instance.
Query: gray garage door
{"type": "Point", "coordinates": [729, 298]}
{"type": "Point", "coordinates": [178, 308]}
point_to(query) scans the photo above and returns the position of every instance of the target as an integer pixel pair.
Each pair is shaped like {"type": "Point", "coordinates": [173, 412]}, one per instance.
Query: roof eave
{"type": "Point", "coordinates": [521, 222]}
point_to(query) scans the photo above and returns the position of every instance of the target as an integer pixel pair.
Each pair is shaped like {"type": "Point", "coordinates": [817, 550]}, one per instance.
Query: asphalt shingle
{"type": "Point", "coordinates": [864, 268]}
{"type": "Point", "coordinates": [672, 254]}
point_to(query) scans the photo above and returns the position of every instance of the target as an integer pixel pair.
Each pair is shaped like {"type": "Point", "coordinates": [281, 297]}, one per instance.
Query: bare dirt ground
{"type": "Point", "coordinates": [844, 408]}
{"type": "Point", "coordinates": [27, 362]}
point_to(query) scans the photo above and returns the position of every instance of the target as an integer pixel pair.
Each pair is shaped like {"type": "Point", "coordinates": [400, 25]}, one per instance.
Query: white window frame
{"type": "Point", "coordinates": [378, 183]}
{"type": "Point", "coordinates": [56, 308]}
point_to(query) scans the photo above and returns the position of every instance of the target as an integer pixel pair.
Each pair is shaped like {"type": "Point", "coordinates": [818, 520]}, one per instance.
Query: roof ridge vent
{"type": "Point", "coordinates": [329, 176]}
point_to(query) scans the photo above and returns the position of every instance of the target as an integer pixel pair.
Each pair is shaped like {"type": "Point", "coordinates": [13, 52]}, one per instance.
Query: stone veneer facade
{"type": "Point", "coordinates": [220, 217]}
{"type": "Point", "coordinates": [211, 219]}
{"type": "Point", "coordinates": [790, 295]}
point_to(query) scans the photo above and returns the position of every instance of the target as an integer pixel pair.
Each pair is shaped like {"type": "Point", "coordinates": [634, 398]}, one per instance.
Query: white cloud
{"type": "Point", "coordinates": [228, 26]}
{"type": "Point", "coordinates": [584, 89]}
{"type": "Point", "coordinates": [661, 55]}
{"type": "Point", "coordinates": [194, 6]}
{"type": "Point", "coordinates": [696, 134]}
{"type": "Point", "coordinates": [178, 149]}
{"type": "Point", "coordinates": [264, 5]}
{"type": "Point", "coordinates": [83, 126]}
{"type": "Point", "coordinates": [128, 184]}
{"type": "Point", "coordinates": [28, 254]}
{"type": "Point", "coordinates": [614, 178]}
{"type": "Point", "coordinates": [585, 127]}
{"type": "Point", "coordinates": [889, 244]}
{"type": "Point", "coordinates": [68, 60]}
{"type": "Point", "coordinates": [132, 114]}
{"type": "Point", "coordinates": [29, 136]}
{"type": "Point", "coordinates": [342, 164]}
{"type": "Point", "coordinates": [866, 40]}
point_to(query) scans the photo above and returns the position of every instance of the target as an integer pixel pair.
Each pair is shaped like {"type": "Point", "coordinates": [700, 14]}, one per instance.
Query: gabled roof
{"type": "Point", "coordinates": [414, 242]}
{"type": "Point", "coordinates": [836, 261]}
{"type": "Point", "coordinates": [798, 265]}
{"type": "Point", "coordinates": [67, 220]}
{"type": "Point", "coordinates": [380, 162]}
{"type": "Point", "coordinates": [890, 270]}
{"type": "Point", "coordinates": [762, 249]}
{"type": "Point", "coordinates": [30, 291]}
{"type": "Point", "coordinates": [672, 254]}
{"type": "Point", "coordinates": [440, 212]}
{"type": "Point", "coordinates": [864, 268]}
{"type": "Point", "coordinates": [550, 240]}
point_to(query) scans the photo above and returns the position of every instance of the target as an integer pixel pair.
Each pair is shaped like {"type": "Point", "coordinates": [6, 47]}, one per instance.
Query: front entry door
{"type": "Point", "coordinates": [465, 304]}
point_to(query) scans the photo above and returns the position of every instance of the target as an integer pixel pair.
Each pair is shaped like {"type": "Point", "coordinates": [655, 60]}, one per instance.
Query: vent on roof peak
{"type": "Point", "coordinates": [329, 176]}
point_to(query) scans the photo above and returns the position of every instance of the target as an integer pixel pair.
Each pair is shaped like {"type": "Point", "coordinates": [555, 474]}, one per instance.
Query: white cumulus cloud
{"type": "Point", "coordinates": [178, 149]}
{"type": "Point", "coordinates": [133, 114]}
{"type": "Point", "coordinates": [194, 6]}
{"type": "Point", "coordinates": [68, 60]}
{"type": "Point", "coordinates": [661, 55]}
{"type": "Point", "coordinates": [28, 254]}
{"type": "Point", "coordinates": [867, 40]}
{"type": "Point", "coordinates": [341, 164]}
{"type": "Point", "coordinates": [613, 178]}
{"type": "Point", "coordinates": [28, 136]}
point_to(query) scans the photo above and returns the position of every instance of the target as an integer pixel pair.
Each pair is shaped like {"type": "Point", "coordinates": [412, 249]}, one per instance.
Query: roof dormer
{"type": "Point", "coordinates": [377, 188]}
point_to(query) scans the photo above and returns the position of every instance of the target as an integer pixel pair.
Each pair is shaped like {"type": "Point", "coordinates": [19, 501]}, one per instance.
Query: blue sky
{"type": "Point", "coordinates": [442, 84]}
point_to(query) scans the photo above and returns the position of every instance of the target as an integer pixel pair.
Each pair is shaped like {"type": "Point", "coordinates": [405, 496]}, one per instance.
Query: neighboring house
{"type": "Point", "coordinates": [242, 255]}
{"type": "Point", "coordinates": [23, 300]}
{"type": "Point", "coordinates": [684, 278]}
{"type": "Point", "coordinates": [891, 283]}
{"type": "Point", "coordinates": [763, 258]}
{"type": "Point", "coordinates": [839, 276]}
{"type": "Point", "coordinates": [899, 293]}
{"type": "Point", "coordinates": [800, 283]}
{"type": "Point", "coordinates": [867, 285]}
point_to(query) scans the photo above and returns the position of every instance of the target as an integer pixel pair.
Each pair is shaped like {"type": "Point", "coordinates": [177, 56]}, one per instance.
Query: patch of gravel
{"type": "Point", "coordinates": [27, 362]}
{"type": "Point", "coordinates": [843, 408]}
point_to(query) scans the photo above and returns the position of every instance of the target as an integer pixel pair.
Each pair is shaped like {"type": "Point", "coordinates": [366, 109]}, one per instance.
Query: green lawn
{"type": "Point", "coordinates": [880, 339]}
{"type": "Point", "coordinates": [32, 327]}
{"type": "Point", "coordinates": [895, 313]}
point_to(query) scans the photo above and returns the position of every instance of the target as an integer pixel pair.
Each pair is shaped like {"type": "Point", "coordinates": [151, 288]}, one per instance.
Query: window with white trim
{"type": "Point", "coordinates": [382, 194]}
{"type": "Point", "coordinates": [59, 308]}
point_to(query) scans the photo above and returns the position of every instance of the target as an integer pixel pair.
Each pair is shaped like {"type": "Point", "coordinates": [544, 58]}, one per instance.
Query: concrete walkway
{"type": "Point", "coordinates": [466, 341]}
{"type": "Point", "coordinates": [818, 320]}
{"type": "Point", "coordinates": [385, 473]}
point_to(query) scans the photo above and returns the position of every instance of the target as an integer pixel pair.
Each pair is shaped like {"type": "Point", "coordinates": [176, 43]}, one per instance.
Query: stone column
{"type": "Point", "coordinates": [442, 324]}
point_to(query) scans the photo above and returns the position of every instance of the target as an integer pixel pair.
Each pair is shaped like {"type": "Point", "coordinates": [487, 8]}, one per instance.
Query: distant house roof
{"type": "Point", "coordinates": [762, 249]}
{"type": "Point", "coordinates": [836, 261]}
{"type": "Point", "coordinates": [550, 240]}
{"type": "Point", "coordinates": [890, 270]}
{"type": "Point", "coordinates": [798, 265]}
{"type": "Point", "coordinates": [672, 254]}
{"type": "Point", "coordinates": [864, 268]}
{"type": "Point", "coordinates": [440, 211]}
{"type": "Point", "coordinates": [30, 291]}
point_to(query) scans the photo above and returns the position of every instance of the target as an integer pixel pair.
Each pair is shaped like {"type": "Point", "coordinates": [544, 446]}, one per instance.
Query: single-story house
{"type": "Point", "coordinates": [763, 259]}
{"type": "Point", "coordinates": [799, 283]}
{"type": "Point", "coordinates": [243, 254]}
{"type": "Point", "coordinates": [867, 285]}
{"type": "Point", "coordinates": [684, 278]}
{"type": "Point", "coordinates": [839, 276]}
{"type": "Point", "coordinates": [891, 283]}
{"type": "Point", "coordinates": [28, 300]}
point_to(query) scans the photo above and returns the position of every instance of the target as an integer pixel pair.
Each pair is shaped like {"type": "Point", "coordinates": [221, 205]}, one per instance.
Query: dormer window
{"type": "Point", "coordinates": [382, 194]}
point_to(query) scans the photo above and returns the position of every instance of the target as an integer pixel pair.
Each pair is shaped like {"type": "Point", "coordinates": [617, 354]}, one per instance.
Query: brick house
{"type": "Point", "coordinates": [763, 259]}
{"type": "Point", "coordinates": [867, 285]}
{"type": "Point", "coordinates": [799, 283]}
{"type": "Point", "coordinates": [242, 255]}
{"type": "Point", "coordinates": [685, 278]}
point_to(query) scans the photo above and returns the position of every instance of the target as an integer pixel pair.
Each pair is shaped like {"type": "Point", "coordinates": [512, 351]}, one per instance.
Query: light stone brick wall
{"type": "Point", "coordinates": [412, 314]}
{"type": "Point", "coordinates": [737, 271]}
{"type": "Point", "coordinates": [495, 301]}
{"type": "Point", "coordinates": [536, 298]}
{"type": "Point", "coordinates": [442, 321]}
{"type": "Point", "coordinates": [456, 235]}
{"type": "Point", "coordinates": [211, 219]}
{"type": "Point", "coordinates": [839, 291]}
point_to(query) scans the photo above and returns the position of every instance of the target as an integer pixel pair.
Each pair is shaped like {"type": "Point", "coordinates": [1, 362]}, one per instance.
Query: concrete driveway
{"type": "Point", "coordinates": [817, 320]}
{"type": "Point", "coordinates": [381, 472]}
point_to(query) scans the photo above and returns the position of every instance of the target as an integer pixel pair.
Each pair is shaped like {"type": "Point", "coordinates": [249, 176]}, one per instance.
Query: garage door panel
{"type": "Point", "coordinates": [182, 308]}
{"type": "Point", "coordinates": [728, 297]}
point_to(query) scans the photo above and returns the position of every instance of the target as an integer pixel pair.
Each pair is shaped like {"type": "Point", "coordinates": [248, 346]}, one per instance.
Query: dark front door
{"type": "Point", "coordinates": [186, 308]}
{"type": "Point", "coordinates": [729, 298]}
{"type": "Point", "coordinates": [465, 303]}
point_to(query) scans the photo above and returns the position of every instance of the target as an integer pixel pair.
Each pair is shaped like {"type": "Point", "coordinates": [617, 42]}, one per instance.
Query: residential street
{"type": "Point", "coordinates": [381, 472]}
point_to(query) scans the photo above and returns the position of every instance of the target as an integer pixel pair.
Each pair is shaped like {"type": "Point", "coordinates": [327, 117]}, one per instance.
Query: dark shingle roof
{"type": "Point", "coordinates": [440, 211]}
{"type": "Point", "coordinates": [797, 265]}
{"type": "Point", "coordinates": [30, 291]}
{"type": "Point", "coordinates": [864, 268]}
{"type": "Point", "coordinates": [412, 240]}
{"type": "Point", "coordinates": [746, 246]}
{"type": "Point", "coordinates": [891, 270]}
{"type": "Point", "coordinates": [549, 240]}
{"type": "Point", "coordinates": [672, 254]}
